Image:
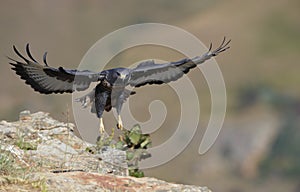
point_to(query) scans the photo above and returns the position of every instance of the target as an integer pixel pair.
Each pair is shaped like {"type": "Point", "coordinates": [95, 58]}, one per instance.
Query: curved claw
{"type": "Point", "coordinates": [120, 123]}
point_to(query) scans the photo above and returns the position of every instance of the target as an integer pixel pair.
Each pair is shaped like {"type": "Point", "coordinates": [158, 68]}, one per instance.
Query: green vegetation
{"type": "Point", "coordinates": [136, 149]}
{"type": "Point", "coordinates": [6, 163]}
{"type": "Point", "coordinates": [24, 145]}
{"type": "Point", "coordinates": [134, 142]}
{"type": "Point", "coordinates": [104, 140]}
{"type": "Point", "coordinates": [18, 184]}
{"type": "Point", "coordinates": [14, 176]}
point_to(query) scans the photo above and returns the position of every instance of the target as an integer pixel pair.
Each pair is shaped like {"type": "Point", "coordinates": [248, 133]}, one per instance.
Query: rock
{"type": "Point", "coordinates": [55, 145]}
{"type": "Point", "coordinates": [114, 157]}
{"type": "Point", "coordinates": [52, 158]}
{"type": "Point", "coordinates": [82, 181]}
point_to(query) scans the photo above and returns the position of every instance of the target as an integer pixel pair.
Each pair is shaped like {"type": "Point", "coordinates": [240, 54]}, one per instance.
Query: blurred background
{"type": "Point", "coordinates": [258, 147]}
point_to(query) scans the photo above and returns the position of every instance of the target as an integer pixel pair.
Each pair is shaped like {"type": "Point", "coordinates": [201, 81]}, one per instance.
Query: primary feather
{"type": "Point", "coordinates": [150, 73]}
{"type": "Point", "coordinates": [46, 80]}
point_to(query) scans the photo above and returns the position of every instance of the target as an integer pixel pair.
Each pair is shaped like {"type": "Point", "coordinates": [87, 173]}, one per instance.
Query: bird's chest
{"type": "Point", "coordinates": [106, 85]}
{"type": "Point", "coordinates": [114, 90]}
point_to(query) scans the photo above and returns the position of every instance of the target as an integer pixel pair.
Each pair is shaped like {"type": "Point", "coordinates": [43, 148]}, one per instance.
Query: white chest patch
{"type": "Point", "coordinates": [122, 76]}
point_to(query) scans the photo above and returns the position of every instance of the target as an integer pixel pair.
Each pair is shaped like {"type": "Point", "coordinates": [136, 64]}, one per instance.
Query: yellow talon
{"type": "Point", "coordinates": [101, 129]}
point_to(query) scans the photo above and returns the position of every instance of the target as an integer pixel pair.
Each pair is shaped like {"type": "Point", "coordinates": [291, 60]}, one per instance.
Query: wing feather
{"type": "Point", "coordinates": [150, 73]}
{"type": "Point", "coordinates": [46, 80]}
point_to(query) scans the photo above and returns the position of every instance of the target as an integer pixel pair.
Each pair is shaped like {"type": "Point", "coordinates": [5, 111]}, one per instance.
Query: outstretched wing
{"type": "Point", "coordinates": [46, 80]}
{"type": "Point", "coordinates": [150, 73]}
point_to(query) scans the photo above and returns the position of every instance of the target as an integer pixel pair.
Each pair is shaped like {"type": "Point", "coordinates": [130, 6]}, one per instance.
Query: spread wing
{"type": "Point", "coordinates": [46, 80]}
{"type": "Point", "coordinates": [150, 73]}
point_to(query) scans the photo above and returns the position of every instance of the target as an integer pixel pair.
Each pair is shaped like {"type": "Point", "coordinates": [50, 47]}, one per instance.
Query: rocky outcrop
{"type": "Point", "coordinates": [39, 153]}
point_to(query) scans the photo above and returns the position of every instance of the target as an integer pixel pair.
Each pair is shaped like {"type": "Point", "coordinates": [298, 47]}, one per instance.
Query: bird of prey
{"type": "Point", "coordinates": [112, 88]}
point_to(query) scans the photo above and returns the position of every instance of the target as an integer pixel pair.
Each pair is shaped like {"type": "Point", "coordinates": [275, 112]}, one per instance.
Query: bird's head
{"type": "Point", "coordinates": [121, 73]}
{"type": "Point", "coordinates": [120, 76]}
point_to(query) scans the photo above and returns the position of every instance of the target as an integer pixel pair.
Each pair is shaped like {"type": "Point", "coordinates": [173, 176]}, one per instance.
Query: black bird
{"type": "Point", "coordinates": [111, 90]}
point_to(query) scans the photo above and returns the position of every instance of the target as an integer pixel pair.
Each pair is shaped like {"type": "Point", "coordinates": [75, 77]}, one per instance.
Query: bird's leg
{"type": "Point", "coordinates": [120, 123]}
{"type": "Point", "coordinates": [120, 101]}
{"type": "Point", "coordinates": [101, 96]}
{"type": "Point", "coordinates": [120, 126]}
{"type": "Point", "coordinates": [101, 129]}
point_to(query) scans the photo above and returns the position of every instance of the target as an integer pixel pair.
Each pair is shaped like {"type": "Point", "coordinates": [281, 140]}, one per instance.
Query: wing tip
{"type": "Point", "coordinates": [223, 47]}
{"type": "Point", "coordinates": [45, 59]}
{"type": "Point", "coordinates": [19, 54]}
{"type": "Point", "coordinates": [29, 53]}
